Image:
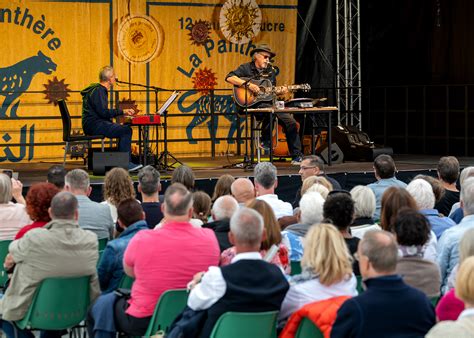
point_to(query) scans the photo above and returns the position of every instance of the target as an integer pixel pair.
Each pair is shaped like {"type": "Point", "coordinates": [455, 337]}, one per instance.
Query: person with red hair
{"type": "Point", "coordinates": [38, 201]}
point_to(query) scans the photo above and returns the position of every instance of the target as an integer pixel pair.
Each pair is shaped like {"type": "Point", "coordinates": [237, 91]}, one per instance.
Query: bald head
{"type": "Point", "coordinates": [243, 190]}
{"type": "Point", "coordinates": [178, 200]}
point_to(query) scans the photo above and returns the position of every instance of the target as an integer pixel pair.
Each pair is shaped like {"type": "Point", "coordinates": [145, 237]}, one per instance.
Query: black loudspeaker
{"type": "Point", "coordinates": [356, 145]}
{"type": "Point", "coordinates": [103, 162]}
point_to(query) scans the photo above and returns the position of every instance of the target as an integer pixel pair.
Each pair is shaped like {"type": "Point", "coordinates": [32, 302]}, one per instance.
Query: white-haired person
{"type": "Point", "coordinates": [464, 326]}
{"type": "Point", "coordinates": [222, 210]}
{"type": "Point", "coordinates": [326, 270]}
{"type": "Point", "coordinates": [249, 284]}
{"type": "Point", "coordinates": [448, 245]}
{"type": "Point", "coordinates": [310, 212]}
{"type": "Point", "coordinates": [364, 210]}
{"type": "Point", "coordinates": [424, 197]}
{"type": "Point", "coordinates": [13, 216]}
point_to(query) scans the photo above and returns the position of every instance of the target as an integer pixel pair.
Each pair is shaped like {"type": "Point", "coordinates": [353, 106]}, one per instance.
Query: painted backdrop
{"type": "Point", "coordinates": [53, 49]}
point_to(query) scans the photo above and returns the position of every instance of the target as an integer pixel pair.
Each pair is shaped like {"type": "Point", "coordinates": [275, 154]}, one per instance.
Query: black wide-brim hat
{"type": "Point", "coordinates": [263, 48]}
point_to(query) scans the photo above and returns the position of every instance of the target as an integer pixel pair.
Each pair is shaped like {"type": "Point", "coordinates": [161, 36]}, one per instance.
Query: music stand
{"type": "Point", "coordinates": [162, 163]}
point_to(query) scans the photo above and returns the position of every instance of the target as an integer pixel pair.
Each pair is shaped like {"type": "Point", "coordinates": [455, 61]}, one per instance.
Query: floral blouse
{"type": "Point", "coordinates": [280, 259]}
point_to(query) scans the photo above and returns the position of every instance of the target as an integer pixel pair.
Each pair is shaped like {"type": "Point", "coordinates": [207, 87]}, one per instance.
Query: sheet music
{"type": "Point", "coordinates": [168, 102]}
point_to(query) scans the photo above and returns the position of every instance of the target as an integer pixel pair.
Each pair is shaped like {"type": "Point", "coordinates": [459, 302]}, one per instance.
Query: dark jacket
{"type": "Point", "coordinates": [221, 229]}
{"type": "Point", "coordinates": [251, 286]}
{"type": "Point", "coordinates": [388, 308]}
{"type": "Point", "coordinates": [110, 268]}
{"type": "Point", "coordinates": [94, 107]}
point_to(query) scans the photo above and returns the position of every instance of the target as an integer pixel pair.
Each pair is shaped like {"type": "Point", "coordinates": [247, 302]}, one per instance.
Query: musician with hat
{"type": "Point", "coordinates": [258, 69]}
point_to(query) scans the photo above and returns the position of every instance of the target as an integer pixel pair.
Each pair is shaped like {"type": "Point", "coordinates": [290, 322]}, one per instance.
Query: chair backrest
{"type": "Point", "coordinates": [126, 282]}
{"type": "Point", "coordinates": [58, 304]}
{"type": "Point", "coordinates": [295, 268]}
{"type": "Point", "coordinates": [169, 306]}
{"type": "Point", "coordinates": [434, 300]}
{"type": "Point", "coordinates": [246, 324]}
{"type": "Point", "coordinates": [307, 329]}
{"type": "Point", "coordinates": [103, 243]}
{"type": "Point", "coordinates": [66, 118]}
{"type": "Point", "coordinates": [3, 253]}
{"type": "Point", "coordinates": [360, 288]}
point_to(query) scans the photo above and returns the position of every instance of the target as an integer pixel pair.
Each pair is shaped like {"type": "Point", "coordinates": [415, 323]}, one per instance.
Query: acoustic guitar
{"type": "Point", "coordinates": [280, 144]}
{"type": "Point", "coordinates": [244, 97]}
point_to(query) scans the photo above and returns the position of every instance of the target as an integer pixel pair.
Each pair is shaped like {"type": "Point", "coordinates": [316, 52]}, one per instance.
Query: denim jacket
{"type": "Point", "coordinates": [448, 248]}
{"type": "Point", "coordinates": [110, 269]}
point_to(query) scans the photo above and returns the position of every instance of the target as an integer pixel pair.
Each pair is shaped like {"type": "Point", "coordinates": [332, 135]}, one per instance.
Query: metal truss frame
{"type": "Point", "coordinates": [349, 82]}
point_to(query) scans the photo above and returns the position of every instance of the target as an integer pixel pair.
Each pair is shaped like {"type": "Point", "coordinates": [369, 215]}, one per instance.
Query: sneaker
{"type": "Point", "coordinates": [297, 160]}
{"type": "Point", "coordinates": [134, 167]}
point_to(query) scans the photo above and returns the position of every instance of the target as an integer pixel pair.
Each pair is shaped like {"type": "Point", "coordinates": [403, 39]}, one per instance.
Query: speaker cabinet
{"type": "Point", "coordinates": [356, 145]}
{"type": "Point", "coordinates": [104, 161]}
{"type": "Point", "coordinates": [337, 156]}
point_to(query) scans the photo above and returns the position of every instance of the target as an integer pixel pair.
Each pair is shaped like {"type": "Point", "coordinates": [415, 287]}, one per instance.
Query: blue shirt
{"type": "Point", "coordinates": [294, 243]}
{"type": "Point", "coordinates": [448, 248]}
{"type": "Point", "coordinates": [379, 188]}
{"type": "Point", "coordinates": [110, 268]}
{"type": "Point", "coordinates": [457, 215]}
{"type": "Point", "coordinates": [438, 224]}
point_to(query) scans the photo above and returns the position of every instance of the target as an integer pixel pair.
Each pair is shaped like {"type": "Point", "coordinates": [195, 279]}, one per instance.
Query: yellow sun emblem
{"type": "Point", "coordinates": [240, 20]}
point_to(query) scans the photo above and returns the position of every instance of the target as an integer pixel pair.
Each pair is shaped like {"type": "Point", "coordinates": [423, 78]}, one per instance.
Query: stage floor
{"type": "Point", "coordinates": [211, 168]}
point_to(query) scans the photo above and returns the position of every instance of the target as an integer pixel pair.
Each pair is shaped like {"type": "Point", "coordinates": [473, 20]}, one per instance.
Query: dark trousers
{"type": "Point", "coordinates": [125, 323]}
{"type": "Point", "coordinates": [112, 130]}
{"type": "Point", "coordinates": [288, 122]}
{"type": "Point", "coordinates": [10, 329]}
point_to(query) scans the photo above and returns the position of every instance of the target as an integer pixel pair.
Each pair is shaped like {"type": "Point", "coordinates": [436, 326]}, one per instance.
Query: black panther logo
{"type": "Point", "coordinates": [16, 79]}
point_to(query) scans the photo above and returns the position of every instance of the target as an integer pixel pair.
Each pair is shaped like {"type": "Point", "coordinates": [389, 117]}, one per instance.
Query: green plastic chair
{"type": "Point", "coordinates": [246, 324]}
{"type": "Point", "coordinates": [434, 300]}
{"type": "Point", "coordinates": [3, 253]}
{"type": "Point", "coordinates": [295, 268]}
{"type": "Point", "coordinates": [360, 289]}
{"type": "Point", "coordinates": [103, 243]}
{"type": "Point", "coordinates": [307, 329]}
{"type": "Point", "coordinates": [126, 282]}
{"type": "Point", "coordinates": [58, 304]}
{"type": "Point", "coordinates": [169, 306]}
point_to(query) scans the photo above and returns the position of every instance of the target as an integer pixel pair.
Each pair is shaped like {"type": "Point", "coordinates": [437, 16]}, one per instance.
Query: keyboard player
{"type": "Point", "coordinates": [96, 116]}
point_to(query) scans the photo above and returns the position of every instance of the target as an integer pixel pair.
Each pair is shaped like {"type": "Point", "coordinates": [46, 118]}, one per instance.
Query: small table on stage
{"type": "Point", "coordinates": [144, 122]}
{"type": "Point", "coordinates": [313, 111]}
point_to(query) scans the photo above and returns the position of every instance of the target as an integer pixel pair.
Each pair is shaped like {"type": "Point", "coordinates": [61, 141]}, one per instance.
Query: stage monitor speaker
{"type": "Point", "coordinates": [356, 145]}
{"type": "Point", "coordinates": [103, 162]}
{"type": "Point", "coordinates": [337, 156]}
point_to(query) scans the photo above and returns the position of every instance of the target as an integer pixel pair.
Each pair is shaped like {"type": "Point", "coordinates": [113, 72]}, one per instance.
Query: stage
{"type": "Point", "coordinates": [207, 171]}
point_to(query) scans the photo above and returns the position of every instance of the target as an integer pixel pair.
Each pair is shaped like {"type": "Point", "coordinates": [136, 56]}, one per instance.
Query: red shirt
{"type": "Point", "coordinates": [167, 258]}
{"type": "Point", "coordinates": [26, 228]}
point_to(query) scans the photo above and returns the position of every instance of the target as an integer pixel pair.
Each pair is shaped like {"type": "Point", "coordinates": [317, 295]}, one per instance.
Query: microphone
{"type": "Point", "coordinates": [117, 80]}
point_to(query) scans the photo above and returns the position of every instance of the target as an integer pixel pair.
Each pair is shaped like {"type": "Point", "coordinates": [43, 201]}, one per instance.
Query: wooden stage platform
{"type": "Point", "coordinates": [212, 168]}
{"type": "Point", "coordinates": [208, 170]}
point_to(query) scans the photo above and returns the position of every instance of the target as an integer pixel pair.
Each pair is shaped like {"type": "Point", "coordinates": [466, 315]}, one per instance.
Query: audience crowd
{"type": "Point", "coordinates": [390, 259]}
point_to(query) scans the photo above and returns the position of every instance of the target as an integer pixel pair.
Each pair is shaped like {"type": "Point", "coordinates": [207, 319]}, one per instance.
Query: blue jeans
{"type": "Point", "coordinates": [112, 130]}
{"type": "Point", "coordinates": [9, 330]}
